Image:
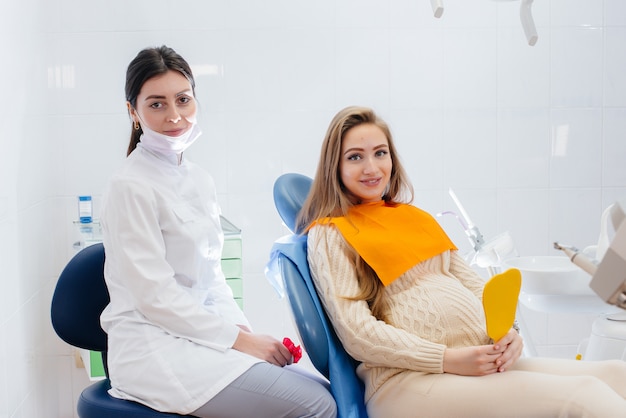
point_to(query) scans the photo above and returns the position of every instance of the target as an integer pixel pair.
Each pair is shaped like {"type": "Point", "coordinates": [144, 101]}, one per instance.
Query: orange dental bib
{"type": "Point", "coordinates": [391, 238]}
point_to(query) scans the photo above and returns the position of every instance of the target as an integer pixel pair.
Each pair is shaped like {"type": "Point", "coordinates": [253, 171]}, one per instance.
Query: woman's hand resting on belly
{"type": "Point", "coordinates": [484, 359]}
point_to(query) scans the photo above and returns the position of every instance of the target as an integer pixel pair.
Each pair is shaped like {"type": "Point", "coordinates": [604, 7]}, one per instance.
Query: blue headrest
{"type": "Point", "coordinates": [79, 298]}
{"type": "Point", "coordinates": [290, 192]}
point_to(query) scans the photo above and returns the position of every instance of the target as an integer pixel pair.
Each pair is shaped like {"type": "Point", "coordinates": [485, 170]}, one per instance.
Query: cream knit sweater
{"type": "Point", "coordinates": [434, 305]}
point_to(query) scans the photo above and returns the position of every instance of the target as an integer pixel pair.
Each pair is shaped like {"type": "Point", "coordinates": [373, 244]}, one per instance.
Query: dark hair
{"type": "Point", "coordinates": [148, 63]}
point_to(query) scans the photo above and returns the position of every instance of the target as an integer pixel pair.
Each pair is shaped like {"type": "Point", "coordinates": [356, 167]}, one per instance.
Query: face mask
{"type": "Point", "coordinates": [166, 144]}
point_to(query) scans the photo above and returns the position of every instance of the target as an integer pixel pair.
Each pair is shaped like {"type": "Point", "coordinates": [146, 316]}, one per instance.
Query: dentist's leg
{"type": "Point", "coordinates": [266, 390]}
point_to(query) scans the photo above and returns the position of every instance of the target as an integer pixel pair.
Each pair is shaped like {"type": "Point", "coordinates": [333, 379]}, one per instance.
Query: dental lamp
{"type": "Point", "coordinates": [437, 6]}
{"type": "Point", "coordinates": [609, 274]}
{"type": "Point", "coordinates": [528, 24]}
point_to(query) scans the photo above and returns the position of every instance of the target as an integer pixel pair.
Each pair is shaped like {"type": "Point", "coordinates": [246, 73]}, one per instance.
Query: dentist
{"type": "Point", "coordinates": [178, 342]}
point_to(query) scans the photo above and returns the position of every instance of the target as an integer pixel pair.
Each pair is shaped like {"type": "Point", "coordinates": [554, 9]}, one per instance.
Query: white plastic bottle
{"type": "Point", "coordinates": [85, 209]}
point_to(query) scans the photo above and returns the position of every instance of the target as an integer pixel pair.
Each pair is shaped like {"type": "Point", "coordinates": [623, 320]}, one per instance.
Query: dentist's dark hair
{"type": "Point", "coordinates": [148, 63]}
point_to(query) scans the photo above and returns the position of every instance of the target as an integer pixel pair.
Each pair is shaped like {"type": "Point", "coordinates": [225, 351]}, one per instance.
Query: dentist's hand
{"type": "Point", "coordinates": [264, 347]}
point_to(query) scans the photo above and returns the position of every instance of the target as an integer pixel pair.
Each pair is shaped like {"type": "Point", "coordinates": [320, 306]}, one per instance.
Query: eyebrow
{"type": "Point", "coordinates": [376, 148]}
{"type": "Point", "coordinates": [159, 96]}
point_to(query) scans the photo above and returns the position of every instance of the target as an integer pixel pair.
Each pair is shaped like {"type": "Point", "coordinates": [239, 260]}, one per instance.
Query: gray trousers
{"type": "Point", "coordinates": [270, 391]}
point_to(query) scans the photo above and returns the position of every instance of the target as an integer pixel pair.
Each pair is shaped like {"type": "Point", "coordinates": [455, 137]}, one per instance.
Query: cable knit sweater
{"type": "Point", "coordinates": [434, 305]}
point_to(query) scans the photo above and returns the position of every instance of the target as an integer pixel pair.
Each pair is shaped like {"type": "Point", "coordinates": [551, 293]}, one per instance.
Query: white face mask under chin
{"type": "Point", "coordinates": [165, 144]}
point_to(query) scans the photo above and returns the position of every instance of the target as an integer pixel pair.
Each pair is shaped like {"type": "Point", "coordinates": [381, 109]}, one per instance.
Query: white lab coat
{"type": "Point", "coordinates": [172, 319]}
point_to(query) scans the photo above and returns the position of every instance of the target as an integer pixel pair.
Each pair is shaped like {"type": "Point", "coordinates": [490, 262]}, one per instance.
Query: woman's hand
{"type": "Point", "coordinates": [264, 347]}
{"type": "Point", "coordinates": [513, 345]}
{"type": "Point", "coordinates": [484, 359]}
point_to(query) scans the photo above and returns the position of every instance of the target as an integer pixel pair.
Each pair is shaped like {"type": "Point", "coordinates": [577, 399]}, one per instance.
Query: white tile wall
{"type": "Point", "coordinates": [530, 138]}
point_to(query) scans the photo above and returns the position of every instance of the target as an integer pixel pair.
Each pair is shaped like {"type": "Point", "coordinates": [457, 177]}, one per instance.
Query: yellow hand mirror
{"type": "Point", "coordinates": [500, 296]}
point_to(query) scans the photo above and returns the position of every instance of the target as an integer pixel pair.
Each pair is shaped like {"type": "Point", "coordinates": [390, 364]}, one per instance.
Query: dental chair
{"type": "Point", "coordinates": [79, 298]}
{"type": "Point", "coordinates": [316, 332]}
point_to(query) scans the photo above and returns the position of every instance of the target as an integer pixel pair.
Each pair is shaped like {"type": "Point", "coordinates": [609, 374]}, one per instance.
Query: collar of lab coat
{"type": "Point", "coordinates": [175, 159]}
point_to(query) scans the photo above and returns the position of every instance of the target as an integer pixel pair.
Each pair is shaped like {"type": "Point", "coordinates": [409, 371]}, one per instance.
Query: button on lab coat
{"type": "Point", "coordinates": [172, 318]}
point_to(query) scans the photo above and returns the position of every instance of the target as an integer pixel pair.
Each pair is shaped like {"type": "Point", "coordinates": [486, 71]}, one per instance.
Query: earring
{"type": "Point", "coordinates": [136, 125]}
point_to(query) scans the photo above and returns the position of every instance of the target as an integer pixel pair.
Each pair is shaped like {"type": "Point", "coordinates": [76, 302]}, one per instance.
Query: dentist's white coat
{"type": "Point", "coordinates": [172, 319]}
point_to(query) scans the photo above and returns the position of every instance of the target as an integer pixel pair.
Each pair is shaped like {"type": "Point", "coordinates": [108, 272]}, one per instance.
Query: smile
{"type": "Point", "coordinates": [371, 182]}
{"type": "Point", "coordinates": [175, 132]}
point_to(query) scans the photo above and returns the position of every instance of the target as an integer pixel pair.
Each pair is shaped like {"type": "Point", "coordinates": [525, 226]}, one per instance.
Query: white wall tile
{"type": "Point", "coordinates": [470, 148]}
{"type": "Point", "coordinates": [418, 136]}
{"type": "Point", "coordinates": [614, 147]}
{"type": "Point", "coordinates": [4, 370]}
{"type": "Point", "coordinates": [299, 140]}
{"type": "Point", "coordinates": [469, 14]}
{"type": "Point", "coordinates": [582, 13]}
{"type": "Point", "coordinates": [470, 67]}
{"type": "Point", "coordinates": [252, 160]}
{"type": "Point", "coordinates": [614, 13]}
{"type": "Point", "coordinates": [306, 69]}
{"type": "Point", "coordinates": [371, 14]}
{"type": "Point", "coordinates": [362, 67]}
{"type": "Point", "coordinates": [412, 14]}
{"type": "Point", "coordinates": [576, 66]}
{"type": "Point", "coordinates": [523, 148]}
{"type": "Point", "coordinates": [574, 216]}
{"type": "Point", "coordinates": [116, 15]}
{"type": "Point", "coordinates": [19, 352]}
{"type": "Point", "coordinates": [253, 56]}
{"type": "Point", "coordinates": [61, 369]}
{"type": "Point", "coordinates": [576, 154]}
{"type": "Point", "coordinates": [614, 67]}
{"type": "Point", "coordinates": [611, 195]}
{"type": "Point", "coordinates": [416, 78]}
{"type": "Point", "coordinates": [89, 83]}
{"type": "Point", "coordinates": [10, 288]}
{"type": "Point", "coordinates": [523, 72]}
{"type": "Point", "coordinates": [525, 213]}
{"type": "Point", "coordinates": [509, 15]}
{"type": "Point", "coordinates": [41, 154]}
{"type": "Point", "coordinates": [93, 147]}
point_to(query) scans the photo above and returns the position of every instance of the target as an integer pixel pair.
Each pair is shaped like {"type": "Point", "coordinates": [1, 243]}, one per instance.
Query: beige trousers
{"type": "Point", "coordinates": [535, 387]}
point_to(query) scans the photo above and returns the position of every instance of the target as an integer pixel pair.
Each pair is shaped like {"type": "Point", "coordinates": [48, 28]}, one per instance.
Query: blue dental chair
{"type": "Point", "coordinates": [316, 332]}
{"type": "Point", "coordinates": [79, 298]}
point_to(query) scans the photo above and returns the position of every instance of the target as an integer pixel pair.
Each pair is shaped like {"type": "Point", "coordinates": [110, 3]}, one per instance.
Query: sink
{"type": "Point", "coordinates": [550, 275]}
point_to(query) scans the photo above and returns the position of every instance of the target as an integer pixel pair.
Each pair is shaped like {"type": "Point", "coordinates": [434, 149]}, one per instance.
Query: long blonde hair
{"type": "Point", "coordinates": [329, 197]}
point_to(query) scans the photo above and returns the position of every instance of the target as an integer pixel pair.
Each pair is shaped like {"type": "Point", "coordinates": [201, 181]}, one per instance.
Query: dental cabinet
{"type": "Point", "coordinates": [232, 265]}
